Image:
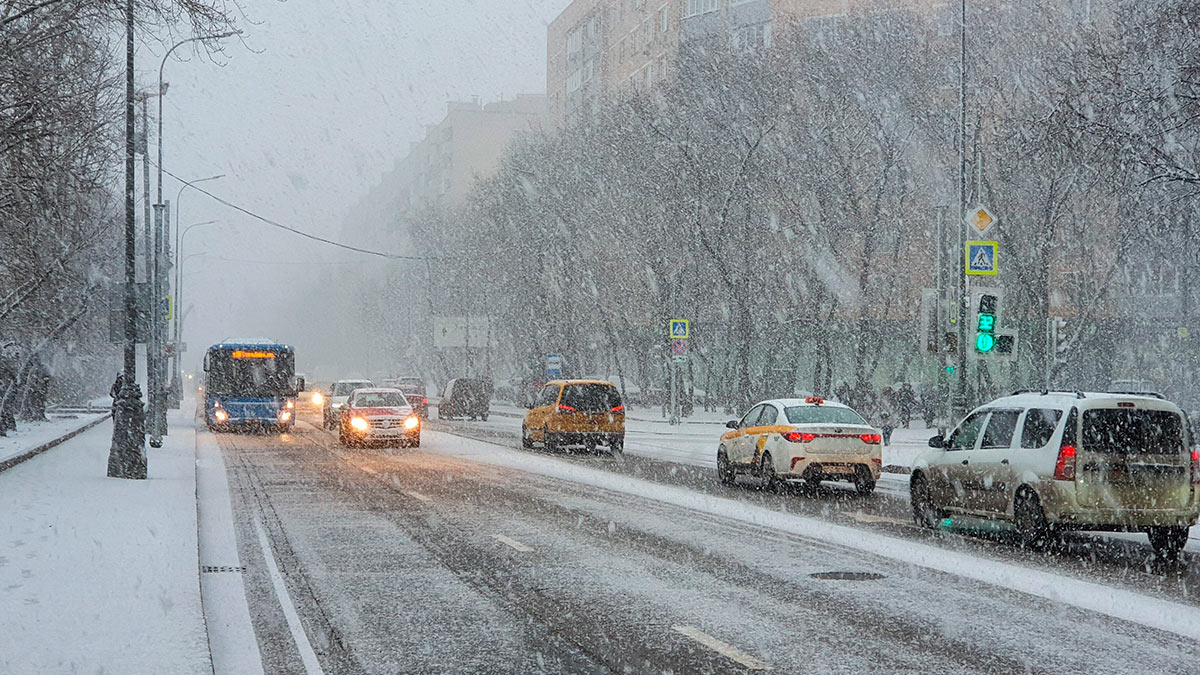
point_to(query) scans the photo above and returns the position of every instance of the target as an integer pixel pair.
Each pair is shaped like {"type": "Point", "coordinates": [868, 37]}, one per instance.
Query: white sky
{"type": "Point", "coordinates": [305, 126]}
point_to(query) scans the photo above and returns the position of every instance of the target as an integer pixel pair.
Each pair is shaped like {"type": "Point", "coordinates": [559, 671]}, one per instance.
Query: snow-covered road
{"type": "Point", "coordinates": [470, 554]}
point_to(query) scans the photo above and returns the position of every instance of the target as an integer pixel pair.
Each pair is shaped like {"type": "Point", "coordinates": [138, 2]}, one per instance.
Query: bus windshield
{"type": "Point", "coordinates": [266, 373]}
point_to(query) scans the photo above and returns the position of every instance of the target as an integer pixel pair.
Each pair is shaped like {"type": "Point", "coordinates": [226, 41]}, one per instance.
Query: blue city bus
{"type": "Point", "coordinates": [250, 384]}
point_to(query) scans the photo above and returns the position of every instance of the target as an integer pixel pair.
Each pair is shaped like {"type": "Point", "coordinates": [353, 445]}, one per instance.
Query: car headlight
{"type": "Point", "coordinates": [335, 405]}
{"type": "Point", "coordinates": [411, 423]}
{"type": "Point", "coordinates": [359, 423]}
{"type": "Point", "coordinates": [318, 398]}
{"type": "Point", "coordinates": [221, 415]}
{"type": "Point", "coordinates": [285, 416]}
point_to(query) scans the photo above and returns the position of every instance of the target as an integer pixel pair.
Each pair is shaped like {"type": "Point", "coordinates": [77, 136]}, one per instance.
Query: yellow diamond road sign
{"type": "Point", "coordinates": [981, 219]}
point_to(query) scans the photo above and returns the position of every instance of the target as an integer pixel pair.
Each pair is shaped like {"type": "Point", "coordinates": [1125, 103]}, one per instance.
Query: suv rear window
{"type": "Point", "coordinates": [815, 414]}
{"type": "Point", "coordinates": [344, 388]}
{"type": "Point", "coordinates": [591, 397]}
{"type": "Point", "coordinates": [1124, 431]}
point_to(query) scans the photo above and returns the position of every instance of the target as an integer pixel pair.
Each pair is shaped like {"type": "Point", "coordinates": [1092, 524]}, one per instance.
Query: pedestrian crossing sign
{"type": "Point", "coordinates": [981, 258]}
{"type": "Point", "coordinates": [678, 329]}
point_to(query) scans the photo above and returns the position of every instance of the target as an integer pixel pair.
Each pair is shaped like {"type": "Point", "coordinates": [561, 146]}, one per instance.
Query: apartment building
{"type": "Point", "coordinates": [441, 168]}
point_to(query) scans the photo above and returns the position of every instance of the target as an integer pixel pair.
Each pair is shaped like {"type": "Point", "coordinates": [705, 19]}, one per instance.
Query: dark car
{"type": "Point", "coordinates": [414, 391]}
{"type": "Point", "coordinates": [465, 397]}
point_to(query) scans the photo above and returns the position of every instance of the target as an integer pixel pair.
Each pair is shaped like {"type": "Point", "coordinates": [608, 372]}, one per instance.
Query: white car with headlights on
{"type": "Point", "coordinates": [807, 439]}
{"type": "Point", "coordinates": [332, 402]}
{"type": "Point", "coordinates": [378, 416]}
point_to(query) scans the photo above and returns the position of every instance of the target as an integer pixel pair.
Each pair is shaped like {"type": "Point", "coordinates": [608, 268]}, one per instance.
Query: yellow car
{"type": "Point", "coordinates": [576, 412]}
{"type": "Point", "coordinates": [801, 439]}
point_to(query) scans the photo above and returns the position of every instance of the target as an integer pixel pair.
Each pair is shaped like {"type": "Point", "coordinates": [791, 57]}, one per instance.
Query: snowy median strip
{"type": "Point", "coordinates": [1142, 609]}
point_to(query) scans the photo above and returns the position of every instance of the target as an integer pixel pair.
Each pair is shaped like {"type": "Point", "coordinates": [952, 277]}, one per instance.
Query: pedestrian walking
{"type": "Point", "coordinates": [906, 403]}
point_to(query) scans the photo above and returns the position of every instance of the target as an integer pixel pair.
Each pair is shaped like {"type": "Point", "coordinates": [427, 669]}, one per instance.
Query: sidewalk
{"type": "Point", "coordinates": [100, 574]}
{"type": "Point", "coordinates": [30, 436]}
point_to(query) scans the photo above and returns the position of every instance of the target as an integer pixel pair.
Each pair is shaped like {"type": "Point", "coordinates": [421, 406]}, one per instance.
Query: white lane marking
{"type": "Point", "coordinates": [366, 468]}
{"type": "Point", "coordinates": [512, 543]}
{"type": "Point", "coordinates": [307, 655]}
{"type": "Point", "coordinates": [722, 648]}
{"type": "Point", "coordinates": [417, 496]}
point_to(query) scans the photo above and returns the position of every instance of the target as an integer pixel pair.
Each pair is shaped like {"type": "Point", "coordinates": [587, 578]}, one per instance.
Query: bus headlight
{"type": "Point", "coordinates": [291, 404]}
{"type": "Point", "coordinates": [285, 415]}
{"type": "Point", "coordinates": [359, 423]}
{"type": "Point", "coordinates": [221, 415]}
{"type": "Point", "coordinates": [318, 398]}
{"type": "Point", "coordinates": [411, 423]}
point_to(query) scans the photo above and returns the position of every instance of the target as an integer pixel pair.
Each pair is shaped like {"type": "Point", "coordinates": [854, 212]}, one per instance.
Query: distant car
{"type": "Point", "coordinates": [414, 391]}
{"type": "Point", "coordinates": [465, 397]}
{"type": "Point", "coordinates": [576, 412]}
{"type": "Point", "coordinates": [378, 415]}
{"type": "Point", "coordinates": [336, 398]}
{"type": "Point", "coordinates": [801, 439]}
{"type": "Point", "coordinates": [1054, 461]}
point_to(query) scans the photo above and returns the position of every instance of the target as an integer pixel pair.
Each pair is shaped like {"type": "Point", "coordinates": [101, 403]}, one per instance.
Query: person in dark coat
{"type": "Point", "coordinates": [906, 403]}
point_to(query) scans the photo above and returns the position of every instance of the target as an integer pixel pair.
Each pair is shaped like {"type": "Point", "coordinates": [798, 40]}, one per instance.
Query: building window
{"type": "Point", "coordinates": [574, 41]}
{"type": "Point", "coordinates": [574, 81]}
{"type": "Point", "coordinates": [662, 19]}
{"type": "Point", "coordinates": [695, 7]}
{"type": "Point", "coordinates": [589, 69]}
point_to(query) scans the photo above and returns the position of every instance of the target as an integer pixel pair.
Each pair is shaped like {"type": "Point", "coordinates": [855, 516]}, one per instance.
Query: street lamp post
{"type": "Point", "coordinates": [176, 386]}
{"type": "Point", "coordinates": [157, 389]}
{"type": "Point", "coordinates": [179, 287]}
{"type": "Point", "coordinates": [127, 454]}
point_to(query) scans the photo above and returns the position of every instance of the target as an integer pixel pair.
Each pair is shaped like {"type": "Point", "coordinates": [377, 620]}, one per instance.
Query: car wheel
{"type": "Point", "coordinates": [526, 442]}
{"type": "Point", "coordinates": [925, 514]}
{"type": "Point", "coordinates": [483, 417]}
{"type": "Point", "coordinates": [766, 469]}
{"type": "Point", "coordinates": [343, 439]}
{"type": "Point", "coordinates": [725, 471]}
{"type": "Point", "coordinates": [415, 443]}
{"type": "Point", "coordinates": [864, 483]}
{"type": "Point", "coordinates": [617, 447]}
{"type": "Point", "coordinates": [1032, 527]}
{"type": "Point", "coordinates": [1167, 542]}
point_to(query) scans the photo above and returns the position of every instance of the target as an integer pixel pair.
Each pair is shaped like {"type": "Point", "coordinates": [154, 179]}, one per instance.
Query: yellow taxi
{"type": "Point", "coordinates": [807, 439]}
{"type": "Point", "coordinates": [576, 412]}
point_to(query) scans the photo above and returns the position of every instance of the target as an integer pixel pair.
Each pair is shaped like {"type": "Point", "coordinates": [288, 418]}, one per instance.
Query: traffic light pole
{"type": "Point", "coordinates": [959, 404]}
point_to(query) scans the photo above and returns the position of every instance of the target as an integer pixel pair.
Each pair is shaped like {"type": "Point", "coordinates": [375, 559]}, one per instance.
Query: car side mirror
{"type": "Point", "coordinates": [299, 384]}
{"type": "Point", "coordinates": [937, 442]}
{"type": "Point", "coordinates": [731, 424]}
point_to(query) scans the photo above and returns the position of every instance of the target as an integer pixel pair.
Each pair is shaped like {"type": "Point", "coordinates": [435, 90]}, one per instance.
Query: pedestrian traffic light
{"type": "Point", "coordinates": [985, 323]}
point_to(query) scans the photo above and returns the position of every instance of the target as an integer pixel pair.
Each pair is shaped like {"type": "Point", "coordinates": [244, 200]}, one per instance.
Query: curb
{"type": "Point", "coordinates": [30, 454]}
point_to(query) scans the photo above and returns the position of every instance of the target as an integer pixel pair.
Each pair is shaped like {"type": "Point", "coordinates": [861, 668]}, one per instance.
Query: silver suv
{"type": "Point", "coordinates": [1054, 461]}
{"type": "Point", "coordinates": [338, 394]}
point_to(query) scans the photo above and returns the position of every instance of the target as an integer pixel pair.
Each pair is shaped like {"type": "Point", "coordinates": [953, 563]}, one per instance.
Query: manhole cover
{"type": "Point", "coordinates": [213, 569]}
{"type": "Point", "coordinates": [847, 576]}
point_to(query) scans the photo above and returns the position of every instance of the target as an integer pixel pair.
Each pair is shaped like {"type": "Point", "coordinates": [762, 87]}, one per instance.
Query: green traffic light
{"type": "Point", "coordinates": [985, 342]}
{"type": "Point", "coordinates": [987, 322]}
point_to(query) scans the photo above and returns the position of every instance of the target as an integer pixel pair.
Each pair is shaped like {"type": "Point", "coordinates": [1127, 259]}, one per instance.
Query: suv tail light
{"type": "Point", "coordinates": [799, 436]}
{"type": "Point", "coordinates": [872, 439]}
{"type": "Point", "coordinates": [618, 408]}
{"type": "Point", "coordinates": [564, 408]}
{"type": "Point", "coordinates": [1195, 466]}
{"type": "Point", "coordinates": [1064, 468]}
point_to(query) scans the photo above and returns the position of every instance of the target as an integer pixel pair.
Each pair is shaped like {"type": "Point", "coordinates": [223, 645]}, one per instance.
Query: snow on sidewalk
{"type": "Point", "coordinates": [30, 435]}
{"type": "Point", "coordinates": [100, 574]}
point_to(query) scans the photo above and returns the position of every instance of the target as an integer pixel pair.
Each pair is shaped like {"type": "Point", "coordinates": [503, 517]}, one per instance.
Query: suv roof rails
{"type": "Point", "coordinates": [1151, 394]}
{"type": "Point", "coordinates": [1044, 392]}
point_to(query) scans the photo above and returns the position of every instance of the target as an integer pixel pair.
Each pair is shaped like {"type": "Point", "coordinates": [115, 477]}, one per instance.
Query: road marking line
{"type": "Point", "coordinates": [868, 518]}
{"type": "Point", "coordinates": [417, 496]}
{"type": "Point", "coordinates": [722, 648]}
{"type": "Point", "coordinates": [307, 656]}
{"type": "Point", "coordinates": [512, 542]}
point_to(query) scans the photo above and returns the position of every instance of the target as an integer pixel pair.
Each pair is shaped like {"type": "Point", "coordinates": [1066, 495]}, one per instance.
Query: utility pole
{"type": "Point", "coordinates": [959, 406]}
{"type": "Point", "coordinates": [127, 454]}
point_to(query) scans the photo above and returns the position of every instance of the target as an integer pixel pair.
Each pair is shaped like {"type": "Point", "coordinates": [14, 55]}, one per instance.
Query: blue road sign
{"type": "Point", "coordinates": [554, 365]}
{"type": "Point", "coordinates": [981, 258]}
{"type": "Point", "coordinates": [679, 329]}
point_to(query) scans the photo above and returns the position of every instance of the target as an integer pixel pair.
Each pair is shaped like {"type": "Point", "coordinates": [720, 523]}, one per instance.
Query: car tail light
{"type": "Point", "coordinates": [1195, 467]}
{"type": "Point", "coordinates": [877, 460]}
{"type": "Point", "coordinates": [564, 408]}
{"type": "Point", "coordinates": [799, 436]}
{"type": "Point", "coordinates": [619, 408]}
{"type": "Point", "coordinates": [814, 400]}
{"type": "Point", "coordinates": [424, 401]}
{"type": "Point", "coordinates": [1064, 468]}
{"type": "Point", "coordinates": [795, 461]}
{"type": "Point", "coordinates": [872, 439]}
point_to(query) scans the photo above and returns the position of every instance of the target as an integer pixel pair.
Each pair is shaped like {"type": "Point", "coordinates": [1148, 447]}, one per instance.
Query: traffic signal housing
{"type": "Point", "coordinates": [990, 342]}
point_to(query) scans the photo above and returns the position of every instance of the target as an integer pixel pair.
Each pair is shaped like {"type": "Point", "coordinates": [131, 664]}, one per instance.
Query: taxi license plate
{"type": "Point", "coordinates": [837, 468]}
